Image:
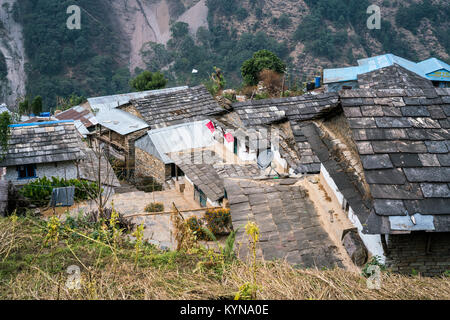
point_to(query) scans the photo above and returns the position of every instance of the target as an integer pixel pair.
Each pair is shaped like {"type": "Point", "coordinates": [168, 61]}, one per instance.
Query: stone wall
{"type": "Point", "coordinates": [409, 251]}
{"type": "Point", "coordinates": [130, 148]}
{"type": "Point", "coordinates": [65, 169]}
{"type": "Point", "coordinates": [150, 166]}
{"type": "Point", "coordinates": [188, 188]}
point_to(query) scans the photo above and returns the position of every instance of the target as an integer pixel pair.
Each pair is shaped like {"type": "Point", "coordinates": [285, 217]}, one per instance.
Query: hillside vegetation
{"type": "Point", "coordinates": [35, 256]}
{"type": "Point", "coordinates": [307, 35]}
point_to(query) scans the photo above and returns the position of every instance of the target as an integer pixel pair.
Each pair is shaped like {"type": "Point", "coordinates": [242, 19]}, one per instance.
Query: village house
{"type": "Point", "coordinates": [189, 157]}
{"type": "Point", "coordinates": [434, 70]}
{"type": "Point", "coordinates": [383, 156]}
{"type": "Point", "coordinates": [52, 149]}
{"type": "Point", "coordinates": [174, 107]}
{"type": "Point", "coordinates": [84, 119]}
{"type": "Point", "coordinates": [42, 149]}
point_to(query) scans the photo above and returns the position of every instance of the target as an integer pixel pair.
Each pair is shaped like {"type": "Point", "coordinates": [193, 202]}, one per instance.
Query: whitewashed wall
{"type": "Point", "coordinates": [372, 242]}
{"type": "Point", "coordinates": [66, 169]}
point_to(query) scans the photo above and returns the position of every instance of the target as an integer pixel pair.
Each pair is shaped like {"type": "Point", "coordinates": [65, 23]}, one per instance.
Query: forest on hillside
{"type": "Point", "coordinates": [63, 62]}
{"type": "Point", "coordinates": [86, 62]}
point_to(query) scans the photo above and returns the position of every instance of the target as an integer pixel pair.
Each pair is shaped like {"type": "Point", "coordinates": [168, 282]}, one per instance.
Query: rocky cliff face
{"type": "Point", "coordinates": [12, 48]}
{"type": "Point", "coordinates": [333, 39]}
{"type": "Point", "coordinates": [144, 21]}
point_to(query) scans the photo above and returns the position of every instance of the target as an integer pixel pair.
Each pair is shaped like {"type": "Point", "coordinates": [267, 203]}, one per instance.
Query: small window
{"type": "Point", "coordinates": [235, 147]}
{"type": "Point", "coordinates": [27, 171]}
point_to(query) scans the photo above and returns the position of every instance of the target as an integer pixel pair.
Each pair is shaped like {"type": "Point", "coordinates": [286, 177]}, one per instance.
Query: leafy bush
{"type": "Point", "coordinates": [196, 226]}
{"type": "Point", "coordinates": [93, 217]}
{"type": "Point", "coordinates": [5, 121]}
{"type": "Point", "coordinates": [155, 207]}
{"type": "Point", "coordinates": [218, 221]}
{"type": "Point", "coordinates": [374, 262]}
{"type": "Point", "coordinates": [148, 81]}
{"type": "Point", "coordinates": [40, 191]}
{"type": "Point", "coordinates": [263, 59]}
{"type": "Point", "coordinates": [3, 67]}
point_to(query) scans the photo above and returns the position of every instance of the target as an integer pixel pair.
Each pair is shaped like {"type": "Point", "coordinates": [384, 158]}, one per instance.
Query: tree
{"type": "Point", "coordinates": [69, 102]}
{"type": "Point", "coordinates": [3, 67]}
{"type": "Point", "coordinates": [148, 81]}
{"type": "Point", "coordinates": [36, 105]}
{"type": "Point", "coordinates": [24, 107]}
{"type": "Point", "coordinates": [5, 122]}
{"type": "Point", "coordinates": [261, 60]}
{"type": "Point", "coordinates": [179, 30]}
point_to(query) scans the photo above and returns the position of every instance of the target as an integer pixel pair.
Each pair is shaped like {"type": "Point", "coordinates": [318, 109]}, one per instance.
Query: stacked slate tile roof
{"type": "Point", "coordinates": [289, 225]}
{"type": "Point", "coordinates": [43, 142]}
{"type": "Point", "coordinates": [297, 110]}
{"type": "Point", "coordinates": [393, 77]}
{"type": "Point", "coordinates": [300, 108]}
{"type": "Point", "coordinates": [207, 171]}
{"type": "Point", "coordinates": [171, 108]}
{"type": "Point", "coordinates": [349, 184]}
{"type": "Point", "coordinates": [403, 140]}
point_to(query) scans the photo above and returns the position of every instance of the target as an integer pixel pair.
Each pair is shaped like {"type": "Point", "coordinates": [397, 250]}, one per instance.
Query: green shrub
{"type": "Point", "coordinates": [155, 207]}
{"type": "Point", "coordinates": [40, 191]}
{"type": "Point", "coordinates": [196, 226]}
{"type": "Point", "coordinates": [374, 262]}
{"type": "Point", "coordinates": [263, 59]}
{"type": "Point", "coordinates": [218, 221]}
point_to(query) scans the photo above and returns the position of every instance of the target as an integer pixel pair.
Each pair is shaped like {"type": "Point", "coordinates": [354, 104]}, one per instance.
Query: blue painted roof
{"type": "Point", "coordinates": [432, 69]}
{"type": "Point", "coordinates": [38, 123]}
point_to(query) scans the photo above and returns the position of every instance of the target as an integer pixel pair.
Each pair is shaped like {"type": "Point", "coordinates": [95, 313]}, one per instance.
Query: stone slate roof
{"type": "Point", "coordinates": [403, 140]}
{"type": "Point", "coordinates": [208, 176]}
{"type": "Point", "coordinates": [309, 162]}
{"type": "Point", "coordinates": [268, 111]}
{"type": "Point", "coordinates": [393, 77]}
{"type": "Point", "coordinates": [289, 226]}
{"type": "Point", "coordinates": [177, 107]}
{"type": "Point", "coordinates": [42, 143]}
{"type": "Point", "coordinates": [348, 183]}
{"type": "Point", "coordinates": [296, 110]}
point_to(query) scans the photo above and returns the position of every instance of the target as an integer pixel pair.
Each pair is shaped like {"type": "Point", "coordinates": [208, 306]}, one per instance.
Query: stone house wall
{"type": "Point", "coordinates": [428, 256]}
{"type": "Point", "coordinates": [147, 165]}
{"type": "Point", "coordinates": [126, 143]}
{"type": "Point", "coordinates": [188, 188]}
{"type": "Point", "coordinates": [65, 169]}
{"type": "Point", "coordinates": [130, 148]}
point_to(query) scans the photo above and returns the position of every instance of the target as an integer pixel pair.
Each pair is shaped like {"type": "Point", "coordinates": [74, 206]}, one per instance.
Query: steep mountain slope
{"type": "Point", "coordinates": [120, 37]}
{"type": "Point", "coordinates": [12, 52]}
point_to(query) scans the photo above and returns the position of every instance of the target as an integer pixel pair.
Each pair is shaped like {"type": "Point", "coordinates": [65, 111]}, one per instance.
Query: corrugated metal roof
{"type": "Point", "coordinates": [120, 121]}
{"type": "Point", "coordinates": [176, 138]}
{"type": "Point", "coordinates": [433, 64]}
{"type": "Point", "coordinates": [82, 113]}
{"type": "Point", "coordinates": [340, 74]}
{"type": "Point", "coordinates": [423, 68]}
{"type": "Point", "coordinates": [81, 128]}
{"type": "Point", "coordinates": [111, 102]}
{"type": "Point", "coordinates": [107, 114]}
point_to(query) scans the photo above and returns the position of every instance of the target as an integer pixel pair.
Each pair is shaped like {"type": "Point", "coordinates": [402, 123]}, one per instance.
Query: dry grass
{"type": "Point", "coordinates": [275, 281]}
{"type": "Point", "coordinates": [31, 272]}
